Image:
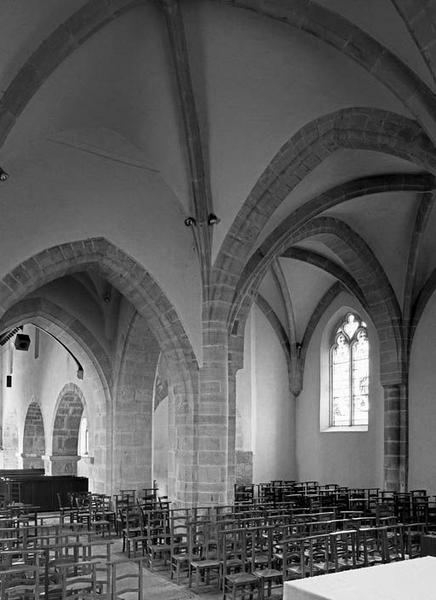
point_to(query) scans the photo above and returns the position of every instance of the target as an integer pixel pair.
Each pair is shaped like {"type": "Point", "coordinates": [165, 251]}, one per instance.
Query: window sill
{"type": "Point", "coordinates": [354, 428]}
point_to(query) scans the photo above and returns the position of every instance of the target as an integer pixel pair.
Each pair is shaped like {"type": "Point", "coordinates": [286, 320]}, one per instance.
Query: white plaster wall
{"type": "Point", "coordinates": [353, 459]}
{"type": "Point", "coordinates": [273, 415]}
{"type": "Point", "coordinates": [42, 379]}
{"type": "Point", "coordinates": [422, 405]}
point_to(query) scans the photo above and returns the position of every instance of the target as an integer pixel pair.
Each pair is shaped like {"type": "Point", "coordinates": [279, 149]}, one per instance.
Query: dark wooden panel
{"type": "Point", "coordinates": [428, 545]}
{"type": "Point", "coordinates": [41, 491]}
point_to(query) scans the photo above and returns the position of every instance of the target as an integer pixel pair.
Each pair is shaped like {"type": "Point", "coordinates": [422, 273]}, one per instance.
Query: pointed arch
{"type": "Point", "coordinates": [352, 128]}
{"type": "Point", "coordinates": [55, 320]}
{"type": "Point", "coordinates": [379, 298]}
{"type": "Point", "coordinates": [121, 271]}
{"type": "Point", "coordinates": [70, 405]}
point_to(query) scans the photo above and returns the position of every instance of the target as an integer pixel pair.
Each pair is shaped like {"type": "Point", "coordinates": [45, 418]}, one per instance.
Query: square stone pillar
{"type": "Point", "coordinates": [395, 438]}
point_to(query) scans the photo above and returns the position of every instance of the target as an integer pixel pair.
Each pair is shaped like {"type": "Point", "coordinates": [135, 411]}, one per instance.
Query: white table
{"type": "Point", "coordinates": [405, 580]}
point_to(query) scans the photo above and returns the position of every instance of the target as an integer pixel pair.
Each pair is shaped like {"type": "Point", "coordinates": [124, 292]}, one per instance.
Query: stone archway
{"type": "Point", "coordinates": [132, 280]}
{"type": "Point", "coordinates": [33, 438]}
{"type": "Point", "coordinates": [72, 333]}
{"type": "Point", "coordinates": [133, 407]}
{"type": "Point", "coordinates": [70, 406]}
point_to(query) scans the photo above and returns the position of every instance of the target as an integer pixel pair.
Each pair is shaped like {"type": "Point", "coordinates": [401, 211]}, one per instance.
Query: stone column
{"type": "Point", "coordinates": [215, 422]}
{"type": "Point", "coordinates": [242, 452]}
{"type": "Point", "coordinates": [395, 437]}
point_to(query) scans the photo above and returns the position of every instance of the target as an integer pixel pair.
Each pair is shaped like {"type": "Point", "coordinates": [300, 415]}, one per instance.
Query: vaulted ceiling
{"type": "Point", "coordinates": [122, 118]}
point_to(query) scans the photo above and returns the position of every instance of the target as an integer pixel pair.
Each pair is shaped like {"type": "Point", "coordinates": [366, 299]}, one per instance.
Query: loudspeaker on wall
{"type": "Point", "coordinates": [22, 341]}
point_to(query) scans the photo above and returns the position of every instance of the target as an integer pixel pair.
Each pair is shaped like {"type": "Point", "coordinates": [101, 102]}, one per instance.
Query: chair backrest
{"type": "Point", "coordinates": [78, 580]}
{"type": "Point", "coordinates": [202, 540]}
{"type": "Point", "coordinates": [127, 579]}
{"type": "Point", "coordinates": [393, 543]}
{"type": "Point", "coordinates": [21, 581]}
{"type": "Point", "coordinates": [235, 543]}
{"type": "Point", "coordinates": [344, 549]}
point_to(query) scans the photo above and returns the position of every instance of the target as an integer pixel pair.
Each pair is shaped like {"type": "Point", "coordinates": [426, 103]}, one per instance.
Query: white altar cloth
{"type": "Point", "coordinates": [405, 580]}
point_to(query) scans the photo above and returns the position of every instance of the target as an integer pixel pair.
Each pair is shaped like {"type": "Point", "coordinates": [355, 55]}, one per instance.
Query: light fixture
{"type": "Point", "coordinates": [107, 295]}
{"type": "Point", "coordinates": [3, 175]}
{"type": "Point", "coordinates": [22, 342]}
{"type": "Point", "coordinates": [213, 219]}
{"type": "Point", "coordinates": [190, 221]}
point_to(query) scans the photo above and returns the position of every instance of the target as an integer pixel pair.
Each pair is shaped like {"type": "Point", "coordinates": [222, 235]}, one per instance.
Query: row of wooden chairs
{"type": "Point", "coordinates": [93, 509]}
{"type": "Point", "coordinates": [194, 546]}
{"type": "Point", "coordinates": [407, 506]}
{"type": "Point", "coordinates": [252, 559]}
{"type": "Point", "coordinates": [84, 580]}
{"type": "Point", "coordinates": [63, 561]}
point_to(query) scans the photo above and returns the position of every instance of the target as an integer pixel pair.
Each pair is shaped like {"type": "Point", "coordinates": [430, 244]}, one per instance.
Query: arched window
{"type": "Point", "coordinates": [349, 374]}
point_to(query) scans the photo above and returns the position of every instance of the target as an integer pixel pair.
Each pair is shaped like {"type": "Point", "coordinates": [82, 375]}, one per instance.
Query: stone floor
{"type": "Point", "coordinates": [159, 586]}
{"type": "Point", "coordinates": [157, 583]}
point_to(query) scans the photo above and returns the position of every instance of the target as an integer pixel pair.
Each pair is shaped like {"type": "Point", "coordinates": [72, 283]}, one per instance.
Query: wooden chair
{"type": "Point", "coordinates": [20, 582]}
{"type": "Point", "coordinates": [319, 556]}
{"type": "Point", "coordinates": [123, 501]}
{"type": "Point", "coordinates": [393, 543]}
{"type": "Point", "coordinates": [204, 559]}
{"type": "Point", "coordinates": [125, 580]}
{"type": "Point", "coordinates": [77, 581]}
{"type": "Point", "coordinates": [370, 549]}
{"type": "Point", "coordinates": [179, 547]}
{"type": "Point", "coordinates": [134, 537]}
{"type": "Point", "coordinates": [241, 582]}
{"type": "Point", "coordinates": [261, 556]}
{"type": "Point", "coordinates": [289, 555]}
{"type": "Point", "coordinates": [36, 558]}
{"type": "Point", "coordinates": [413, 533]}
{"type": "Point", "coordinates": [101, 516]}
{"type": "Point", "coordinates": [344, 549]}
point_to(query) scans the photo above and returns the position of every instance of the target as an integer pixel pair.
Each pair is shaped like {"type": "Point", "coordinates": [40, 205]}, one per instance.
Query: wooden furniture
{"type": "Point", "coordinates": [237, 578]}
{"type": "Point", "coordinates": [428, 545]}
{"type": "Point", "coordinates": [40, 490]}
{"type": "Point", "coordinates": [204, 559]}
{"type": "Point", "coordinates": [179, 546]}
{"type": "Point", "coordinates": [126, 583]}
{"type": "Point", "coordinates": [20, 582]}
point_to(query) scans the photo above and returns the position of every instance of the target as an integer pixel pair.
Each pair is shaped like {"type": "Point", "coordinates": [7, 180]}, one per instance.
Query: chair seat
{"type": "Point", "coordinates": [180, 557]}
{"type": "Point", "coordinates": [205, 564]}
{"type": "Point", "coordinates": [267, 573]}
{"type": "Point", "coordinates": [297, 570]}
{"type": "Point", "coordinates": [242, 578]}
{"type": "Point", "coordinates": [132, 530]}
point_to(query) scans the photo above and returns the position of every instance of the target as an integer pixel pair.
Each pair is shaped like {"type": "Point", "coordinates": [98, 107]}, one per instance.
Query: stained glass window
{"type": "Point", "coordinates": [349, 374]}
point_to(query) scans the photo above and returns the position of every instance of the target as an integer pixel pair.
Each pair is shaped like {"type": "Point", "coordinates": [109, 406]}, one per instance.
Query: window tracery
{"type": "Point", "coordinates": [349, 374]}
